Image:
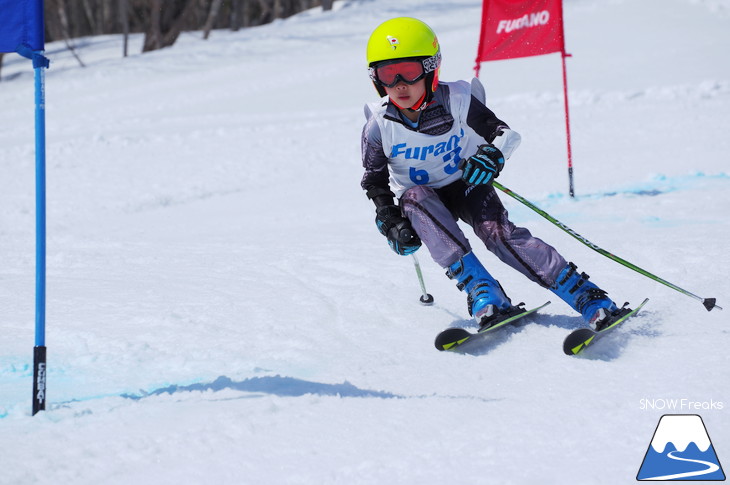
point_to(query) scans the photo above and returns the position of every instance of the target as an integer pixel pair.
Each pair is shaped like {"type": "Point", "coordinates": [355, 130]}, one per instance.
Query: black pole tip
{"type": "Point", "coordinates": [709, 303]}
{"type": "Point", "coordinates": [427, 299]}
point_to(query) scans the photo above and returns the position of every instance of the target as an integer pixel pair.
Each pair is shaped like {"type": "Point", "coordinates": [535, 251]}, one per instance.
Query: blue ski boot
{"type": "Point", "coordinates": [585, 297]}
{"type": "Point", "coordinates": [486, 298]}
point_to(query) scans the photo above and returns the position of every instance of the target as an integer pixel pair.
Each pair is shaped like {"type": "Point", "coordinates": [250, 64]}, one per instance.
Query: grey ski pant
{"type": "Point", "coordinates": [434, 214]}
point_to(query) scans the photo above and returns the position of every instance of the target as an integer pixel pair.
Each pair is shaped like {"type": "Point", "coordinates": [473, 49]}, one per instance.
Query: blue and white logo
{"type": "Point", "coordinates": [681, 450]}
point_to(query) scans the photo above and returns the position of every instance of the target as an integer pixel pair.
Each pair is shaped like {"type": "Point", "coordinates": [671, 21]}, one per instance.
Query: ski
{"type": "Point", "coordinates": [579, 339]}
{"type": "Point", "coordinates": [454, 339]}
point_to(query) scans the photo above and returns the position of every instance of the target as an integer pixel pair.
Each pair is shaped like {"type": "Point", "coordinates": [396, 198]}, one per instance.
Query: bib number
{"type": "Point", "coordinates": [451, 165]}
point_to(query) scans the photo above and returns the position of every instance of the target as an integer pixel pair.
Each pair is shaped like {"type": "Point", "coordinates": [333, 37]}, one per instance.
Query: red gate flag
{"type": "Point", "coordinates": [520, 28]}
{"type": "Point", "coordinates": [524, 28]}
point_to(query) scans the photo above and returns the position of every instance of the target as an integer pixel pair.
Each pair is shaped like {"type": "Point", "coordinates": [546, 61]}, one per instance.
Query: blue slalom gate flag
{"type": "Point", "coordinates": [22, 30]}
{"type": "Point", "coordinates": [21, 24]}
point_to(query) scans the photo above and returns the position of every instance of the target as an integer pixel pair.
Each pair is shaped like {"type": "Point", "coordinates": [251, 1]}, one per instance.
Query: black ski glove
{"type": "Point", "coordinates": [483, 167]}
{"type": "Point", "coordinates": [401, 236]}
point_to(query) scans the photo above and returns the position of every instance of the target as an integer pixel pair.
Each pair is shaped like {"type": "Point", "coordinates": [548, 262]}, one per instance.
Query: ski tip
{"type": "Point", "coordinates": [451, 338]}
{"type": "Point", "coordinates": [575, 350]}
{"type": "Point", "coordinates": [577, 340]}
{"type": "Point", "coordinates": [710, 304]}
{"type": "Point", "coordinates": [638, 307]}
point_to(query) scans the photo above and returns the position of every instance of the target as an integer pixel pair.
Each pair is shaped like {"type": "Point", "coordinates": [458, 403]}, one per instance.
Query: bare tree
{"type": "Point", "coordinates": [124, 18]}
{"type": "Point", "coordinates": [212, 16]}
{"type": "Point", "coordinates": [61, 4]}
{"type": "Point", "coordinates": [90, 17]}
{"type": "Point", "coordinates": [266, 12]}
{"type": "Point", "coordinates": [153, 34]}
{"type": "Point", "coordinates": [167, 18]}
{"type": "Point", "coordinates": [237, 8]}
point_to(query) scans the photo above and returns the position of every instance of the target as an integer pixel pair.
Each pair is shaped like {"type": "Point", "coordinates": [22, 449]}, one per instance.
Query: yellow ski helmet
{"type": "Point", "coordinates": [405, 38]}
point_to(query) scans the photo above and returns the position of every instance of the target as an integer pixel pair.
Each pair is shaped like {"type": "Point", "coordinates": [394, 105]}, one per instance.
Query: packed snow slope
{"type": "Point", "coordinates": [222, 309]}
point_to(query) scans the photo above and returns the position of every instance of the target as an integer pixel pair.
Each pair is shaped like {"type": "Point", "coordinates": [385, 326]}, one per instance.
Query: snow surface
{"type": "Point", "coordinates": [221, 308]}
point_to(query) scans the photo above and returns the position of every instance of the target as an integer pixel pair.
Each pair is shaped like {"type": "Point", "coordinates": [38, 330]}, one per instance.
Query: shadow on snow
{"type": "Point", "coordinates": [275, 385]}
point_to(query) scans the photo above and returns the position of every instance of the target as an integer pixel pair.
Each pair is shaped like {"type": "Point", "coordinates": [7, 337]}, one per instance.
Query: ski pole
{"type": "Point", "coordinates": [709, 303]}
{"type": "Point", "coordinates": [426, 298]}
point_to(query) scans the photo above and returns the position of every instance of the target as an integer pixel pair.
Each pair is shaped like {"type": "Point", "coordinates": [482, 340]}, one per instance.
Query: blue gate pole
{"type": "Point", "coordinates": [40, 63]}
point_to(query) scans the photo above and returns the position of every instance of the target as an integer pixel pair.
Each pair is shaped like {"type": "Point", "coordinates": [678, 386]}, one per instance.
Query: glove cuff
{"type": "Point", "coordinates": [381, 197]}
{"type": "Point", "coordinates": [507, 142]}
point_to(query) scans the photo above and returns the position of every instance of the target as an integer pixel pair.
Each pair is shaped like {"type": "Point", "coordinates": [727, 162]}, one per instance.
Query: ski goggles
{"type": "Point", "coordinates": [388, 74]}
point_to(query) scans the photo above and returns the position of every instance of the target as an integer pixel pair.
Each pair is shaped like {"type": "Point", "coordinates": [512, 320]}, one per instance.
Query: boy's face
{"type": "Point", "coordinates": [406, 95]}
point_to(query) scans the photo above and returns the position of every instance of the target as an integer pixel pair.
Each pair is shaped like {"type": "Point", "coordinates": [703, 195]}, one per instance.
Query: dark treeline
{"type": "Point", "coordinates": [162, 20]}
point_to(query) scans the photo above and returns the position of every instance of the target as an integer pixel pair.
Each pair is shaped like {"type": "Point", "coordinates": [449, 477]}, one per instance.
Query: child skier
{"type": "Point", "coordinates": [437, 148]}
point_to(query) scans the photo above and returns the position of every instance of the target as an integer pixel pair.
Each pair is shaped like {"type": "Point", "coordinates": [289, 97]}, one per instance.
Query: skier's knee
{"type": "Point", "coordinates": [417, 194]}
{"type": "Point", "coordinates": [413, 199]}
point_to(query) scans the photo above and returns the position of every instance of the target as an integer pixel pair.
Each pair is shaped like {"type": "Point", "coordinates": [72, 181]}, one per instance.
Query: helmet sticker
{"type": "Point", "coordinates": [393, 42]}
{"type": "Point", "coordinates": [432, 63]}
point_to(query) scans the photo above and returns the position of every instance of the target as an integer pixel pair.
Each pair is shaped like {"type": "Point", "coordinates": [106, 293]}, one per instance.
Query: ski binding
{"type": "Point", "coordinates": [578, 340]}
{"type": "Point", "coordinates": [454, 339]}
